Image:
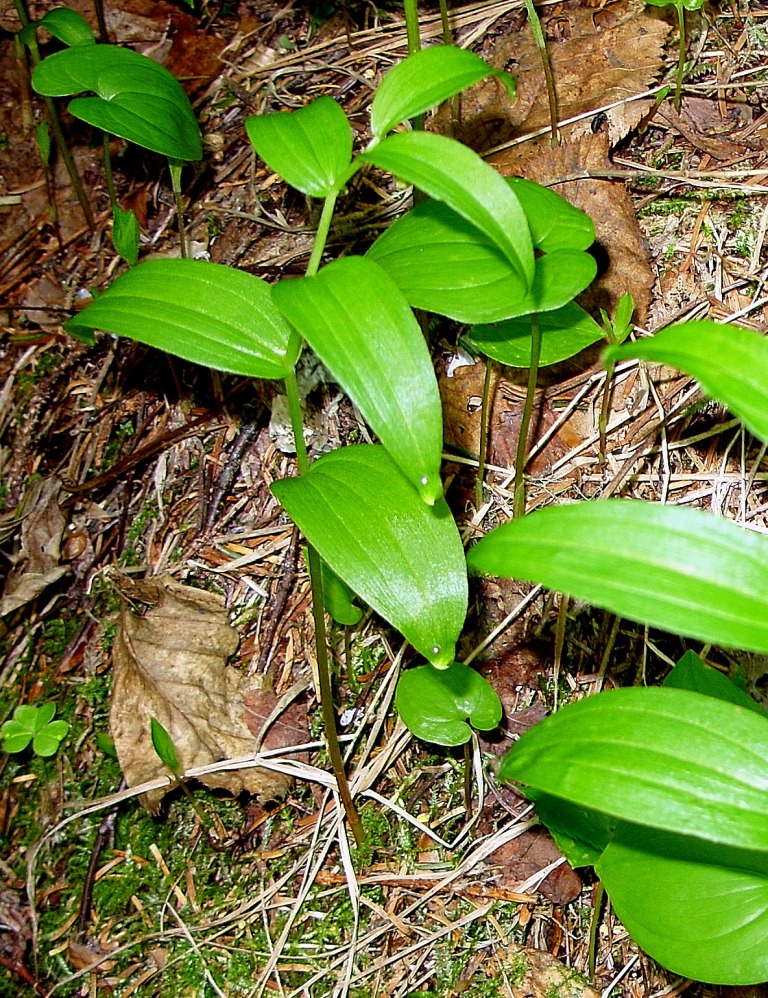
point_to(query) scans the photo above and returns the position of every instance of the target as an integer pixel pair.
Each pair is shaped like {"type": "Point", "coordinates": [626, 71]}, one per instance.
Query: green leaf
{"type": "Point", "coordinates": [163, 745]}
{"type": "Point", "coordinates": [581, 834]}
{"type": "Point", "coordinates": [404, 558]}
{"type": "Point", "coordinates": [68, 26]}
{"type": "Point", "coordinates": [106, 744]}
{"type": "Point", "coordinates": [203, 312]}
{"type": "Point", "coordinates": [701, 912]}
{"type": "Point", "coordinates": [671, 567]}
{"type": "Point", "coordinates": [444, 264]}
{"type": "Point", "coordinates": [691, 673]}
{"type": "Point", "coordinates": [435, 704]}
{"type": "Point", "coordinates": [555, 223]}
{"type": "Point", "coordinates": [450, 172]}
{"type": "Point", "coordinates": [16, 736]}
{"type": "Point", "coordinates": [338, 597]}
{"type": "Point", "coordinates": [46, 742]}
{"type": "Point", "coordinates": [137, 100]}
{"type": "Point", "coordinates": [564, 333]}
{"type": "Point", "coordinates": [424, 80]}
{"type": "Point", "coordinates": [44, 714]}
{"type": "Point", "coordinates": [43, 138]}
{"type": "Point", "coordinates": [360, 326]}
{"type": "Point", "coordinates": [310, 148]}
{"type": "Point", "coordinates": [126, 234]}
{"type": "Point", "coordinates": [730, 362]}
{"type": "Point", "coordinates": [662, 758]}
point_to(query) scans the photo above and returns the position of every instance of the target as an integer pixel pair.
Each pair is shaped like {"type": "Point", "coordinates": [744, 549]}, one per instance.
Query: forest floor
{"type": "Point", "coordinates": [124, 468]}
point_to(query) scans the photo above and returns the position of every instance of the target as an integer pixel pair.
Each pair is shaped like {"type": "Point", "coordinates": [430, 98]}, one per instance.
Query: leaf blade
{"type": "Point", "coordinates": [679, 569]}
{"type": "Point", "coordinates": [203, 312]}
{"type": "Point", "coordinates": [403, 557]}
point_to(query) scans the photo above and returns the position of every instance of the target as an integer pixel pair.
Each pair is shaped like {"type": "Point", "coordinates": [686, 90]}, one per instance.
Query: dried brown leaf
{"type": "Point", "coordinates": [523, 857]}
{"type": "Point", "coordinates": [42, 527]}
{"type": "Point", "coordinates": [171, 664]}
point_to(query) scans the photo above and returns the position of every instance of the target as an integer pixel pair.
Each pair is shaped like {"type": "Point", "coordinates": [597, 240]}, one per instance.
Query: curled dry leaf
{"type": "Point", "coordinates": [170, 663]}
{"type": "Point", "coordinates": [37, 565]}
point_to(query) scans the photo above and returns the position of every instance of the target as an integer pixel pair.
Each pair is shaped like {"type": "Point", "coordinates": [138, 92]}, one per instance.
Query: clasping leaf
{"type": "Point", "coordinates": [439, 705]}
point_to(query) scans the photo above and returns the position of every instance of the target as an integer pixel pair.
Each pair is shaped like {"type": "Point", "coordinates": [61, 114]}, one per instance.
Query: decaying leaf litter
{"type": "Point", "coordinates": [162, 471]}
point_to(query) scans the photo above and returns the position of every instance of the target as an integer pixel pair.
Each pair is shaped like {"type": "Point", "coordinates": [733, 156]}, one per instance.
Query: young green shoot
{"type": "Point", "coordinates": [616, 331]}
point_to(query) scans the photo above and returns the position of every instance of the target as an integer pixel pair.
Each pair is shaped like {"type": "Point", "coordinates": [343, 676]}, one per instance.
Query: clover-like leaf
{"type": "Point", "coordinates": [439, 705]}
{"type": "Point", "coordinates": [36, 725]}
{"type": "Point", "coordinates": [310, 148]}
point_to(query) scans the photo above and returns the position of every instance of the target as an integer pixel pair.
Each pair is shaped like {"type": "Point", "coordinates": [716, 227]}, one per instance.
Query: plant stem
{"type": "Point", "coordinates": [594, 928]}
{"type": "Point", "coordinates": [53, 121]}
{"type": "Point", "coordinates": [297, 421]}
{"type": "Point", "coordinates": [321, 236]}
{"type": "Point", "coordinates": [411, 8]}
{"type": "Point", "coordinates": [174, 165]}
{"type": "Point", "coordinates": [525, 423]}
{"type": "Point", "coordinates": [485, 412]}
{"type": "Point", "coordinates": [538, 34]}
{"type": "Point", "coordinates": [602, 424]}
{"type": "Point", "coordinates": [108, 174]}
{"type": "Point", "coordinates": [681, 55]}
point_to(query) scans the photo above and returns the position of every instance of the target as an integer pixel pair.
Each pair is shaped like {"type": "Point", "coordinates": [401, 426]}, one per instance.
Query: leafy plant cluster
{"type": "Point", "coordinates": [665, 790]}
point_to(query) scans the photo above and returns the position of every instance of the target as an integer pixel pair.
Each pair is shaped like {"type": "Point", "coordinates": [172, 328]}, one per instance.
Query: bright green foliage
{"type": "Point", "coordinates": [67, 25]}
{"type": "Point", "coordinates": [554, 222]}
{"type": "Point", "coordinates": [35, 725]}
{"type": "Point", "coordinates": [450, 172]}
{"type": "Point", "coordinates": [619, 328]}
{"type": "Point", "coordinates": [310, 148]}
{"type": "Point", "coordinates": [137, 99]}
{"type": "Point", "coordinates": [680, 569]}
{"type": "Point", "coordinates": [338, 598]}
{"type": "Point", "coordinates": [404, 558]}
{"type": "Point", "coordinates": [564, 333]}
{"type": "Point", "coordinates": [666, 758]}
{"type": "Point", "coordinates": [687, 4]}
{"type": "Point", "coordinates": [436, 704]}
{"type": "Point", "coordinates": [444, 264]}
{"type": "Point", "coordinates": [691, 673]}
{"type": "Point", "coordinates": [730, 362]}
{"type": "Point", "coordinates": [203, 312]}
{"type": "Point", "coordinates": [362, 329]}
{"type": "Point", "coordinates": [126, 234]}
{"type": "Point", "coordinates": [162, 743]}
{"type": "Point", "coordinates": [424, 80]}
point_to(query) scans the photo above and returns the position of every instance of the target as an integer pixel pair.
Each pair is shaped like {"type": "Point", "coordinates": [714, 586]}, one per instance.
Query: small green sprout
{"type": "Point", "coordinates": [35, 725]}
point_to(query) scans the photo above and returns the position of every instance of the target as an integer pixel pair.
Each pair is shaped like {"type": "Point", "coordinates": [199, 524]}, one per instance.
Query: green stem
{"type": "Point", "coordinates": [525, 423]}
{"type": "Point", "coordinates": [485, 412]}
{"type": "Point", "coordinates": [324, 676]}
{"type": "Point", "coordinates": [602, 425]}
{"type": "Point", "coordinates": [321, 236]}
{"type": "Point", "coordinates": [594, 927]}
{"type": "Point", "coordinates": [538, 34]}
{"type": "Point", "coordinates": [53, 121]}
{"type": "Point", "coordinates": [681, 55]}
{"type": "Point", "coordinates": [108, 174]}
{"type": "Point", "coordinates": [174, 165]}
{"type": "Point", "coordinates": [412, 25]}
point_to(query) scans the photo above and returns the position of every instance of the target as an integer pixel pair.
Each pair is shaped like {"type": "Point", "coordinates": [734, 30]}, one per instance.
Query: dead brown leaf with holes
{"type": "Point", "coordinates": [170, 662]}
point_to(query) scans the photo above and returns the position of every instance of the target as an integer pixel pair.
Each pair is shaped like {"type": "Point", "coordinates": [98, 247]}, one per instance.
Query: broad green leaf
{"type": "Point", "coordinates": [662, 758]}
{"type": "Point", "coordinates": [730, 362]}
{"type": "Point", "coordinates": [203, 312]}
{"type": "Point", "coordinates": [360, 326]}
{"type": "Point", "coordinates": [676, 568]}
{"type": "Point", "coordinates": [424, 80]}
{"type": "Point", "coordinates": [564, 333]}
{"type": "Point", "coordinates": [310, 148]}
{"type": "Point", "coordinates": [439, 705]}
{"type": "Point", "coordinates": [691, 673]}
{"type": "Point", "coordinates": [701, 912]}
{"type": "Point", "coordinates": [126, 234]}
{"type": "Point", "coordinates": [137, 100]}
{"type": "Point", "coordinates": [450, 172]}
{"type": "Point", "coordinates": [163, 745]}
{"type": "Point", "coordinates": [687, 4]}
{"type": "Point", "coordinates": [444, 264]}
{"type": "Point", "coordinates": [404, 558]}
{"type": "Point", "coordinates": [580, 833]}
{"type": "Point", "coordinates": [68, 26]}
{"type": "Point", "coordinates": [555, 223]}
